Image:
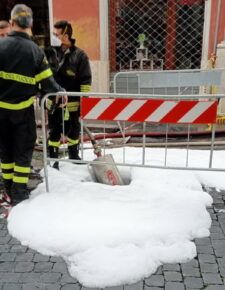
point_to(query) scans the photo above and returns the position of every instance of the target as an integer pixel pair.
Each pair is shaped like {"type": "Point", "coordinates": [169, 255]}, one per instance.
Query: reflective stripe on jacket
{"type": "Point", "coordinates": [23, 69]}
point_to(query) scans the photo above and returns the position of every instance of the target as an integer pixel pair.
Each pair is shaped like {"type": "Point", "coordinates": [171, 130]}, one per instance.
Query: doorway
{"type": "Point", "coordinates": [40, 9]}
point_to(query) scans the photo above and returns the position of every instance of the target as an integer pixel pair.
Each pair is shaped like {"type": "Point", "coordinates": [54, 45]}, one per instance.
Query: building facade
{"type": "Point", "coordinates": [133, 34]}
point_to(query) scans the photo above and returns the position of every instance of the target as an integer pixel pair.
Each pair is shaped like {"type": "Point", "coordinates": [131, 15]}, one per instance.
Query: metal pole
{"type": "Point", "coordinates": [166, 147]}
{"type": "Point", "coordinates": [44, 144]}
{"type": "Point", "coordinates": [82, 137]}
{"type": "Point", "coordinates": [212, 145]}
{"type": "Point", "coordinates": [144, 143]}
{"type": "Point", "coordinates": [188, 143]}
{"type": "Point", "coordinates": [217, 25]}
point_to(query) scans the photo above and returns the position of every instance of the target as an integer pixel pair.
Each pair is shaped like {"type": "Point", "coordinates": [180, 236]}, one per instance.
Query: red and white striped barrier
{"type": "Point", "coordinates": [154, 111]}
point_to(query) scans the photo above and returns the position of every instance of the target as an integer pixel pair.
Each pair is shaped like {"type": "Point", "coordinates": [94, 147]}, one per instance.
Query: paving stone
{"type": "Point", "coordinates": [5, 248]}
{"type": "Point", "coordinates": [24, 257]}
{"type": "Point", "coordinates": [41, 258]}
{"type": "Point", "coordinates": [57, 259]}
{"type": "Point", "coordinates": [203, 241]}
{"type": "Point", "coordinates": [221, 261]}
{"type": "Point", "coordinates": [219, 247]}
{"type": "Point", "coordinates": [222, 271]}
{"type": "Point", "coordinates": [54, 287]}
{"type": "Point", "coordinates": [9, 277]}
{"type": "Point", "coordinates": [30, 278]}
{"type": "Point", "coordinates": [209, 268]}
{"type": "Point", "coordinates": [72, 287]}
{"type": "Point", "coordinates": [204, 258]}
{"type": "Point", "coordinates": [84, 288]}
{"type": "Point", "coordinates": [204, 249]}
{"type": "Point", "coordinates": [12, 286]}
{"type": "Point", "coordinates": [31, 251]}
{"type": "Point", "coordinates": [7, 266]}
{"type": "Point", "coordinates": [155, 280]}
{"type": "Point", "coordinates": [137, 286]}
{"type": "Point", "coordinates": [4, 240]}
{"type": "Point", "coordinates": [171, 267]}
{"type": "Point", "coordinates": [159, 271]}
{"type": "Point", "coordinates": [18, 249]}
{"type": "Point", "coordinates": [3, 233]}
{"type": "Point", "coordinates": [190, 272]}
{"type": "Point", "coordinates": [173, 276]}
{"type": "Point", "coordinates": [217, 236]}
{"type": "Point", "coordinates": [50, 277]}
{"type": "Point", "coordinates": [193, 282]}
{"type": "Point", "coordinates": [35, 286]}
{"type": "Point", "coordinates": [151, 288]}
{"type": "Point", "coordinates": [68, 279]}
{"type": "Point", "coordinates": [22, 267]}
{"type": "Point", "coordinates": [211, 278]}
{"type": "Point", "coordinates": [213, 216]}
{"type": "Point", "coordinates": [41, 286]}
{"type": "Point", "coordinates": [14, 241]}
{"type": "Point", "coordinates": [7, 257]}
{"type": "Point", "coordinates": [215, 287]}
{"type": "Point", "coordinates": [192, 263]}
{"type": "Point", "coordinates": [114, 288]}
{"type": "Point", "coordinates": [174, 286]}
{"type": "Point", "coordinates": [60, 267]}
{"type": "Point", "coordinates": [43, 267]}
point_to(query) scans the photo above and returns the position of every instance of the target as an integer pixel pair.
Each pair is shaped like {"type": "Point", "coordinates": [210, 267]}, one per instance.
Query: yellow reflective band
{"type": "Point", "coordinates": [19, 179]}
{"type": "Point", "coordinates": [48, 104]}
{"type": "Point", "coordinates": [17, 78]}
{"type": "Point", "coordinates": [7, 176]}
{"type": "Point", "coordinates": [73, 109]}
{"type": "Point", "coordinates": [85, 88]}
{"type": "Point", "coordinates": [73, 104]}
{"type": "Point", "coordinates": [7, 165]}
{"type": "Point", "coordinates": [72, 141]}
{"type": "Point", "coordinates": [19, 106]}
{"type": "Point", "coordinates": [66, 115]}
{"type": "Point", "coordinates": [21, 169]}
{"type": "Point", "coordinates": [43, 75]}
{"type": "Point", "coordinates": [54, 144]}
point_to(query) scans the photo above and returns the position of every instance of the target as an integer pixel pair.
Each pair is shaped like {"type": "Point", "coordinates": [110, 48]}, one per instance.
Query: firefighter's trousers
{"type": "Point", "coordinates": [17, 139]}
{"type": "Point", "coordinates": [71, 127]}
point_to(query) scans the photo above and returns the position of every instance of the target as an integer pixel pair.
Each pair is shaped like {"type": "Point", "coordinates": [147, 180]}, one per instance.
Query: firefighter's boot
{"type": "Point", "coordinates": [7, 186]}
{"type": "Point", "coordinates": [73, 152]}
{"type": "Point", "coordinates": [19, 192]}
{"type": "Point", "coordinates": [54, 153]}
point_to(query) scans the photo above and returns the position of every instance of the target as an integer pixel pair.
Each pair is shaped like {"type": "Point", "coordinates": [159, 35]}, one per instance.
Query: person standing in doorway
{"type": "Point", "coordinates": [72, 71]}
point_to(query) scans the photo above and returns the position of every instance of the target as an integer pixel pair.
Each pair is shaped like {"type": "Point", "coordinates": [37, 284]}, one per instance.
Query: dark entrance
{"type": "Point", "coordinates": [41, 17]}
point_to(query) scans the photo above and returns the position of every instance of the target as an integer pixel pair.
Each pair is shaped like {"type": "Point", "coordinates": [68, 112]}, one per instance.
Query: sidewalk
{"type": "Point", "coordinates": [24, 269]}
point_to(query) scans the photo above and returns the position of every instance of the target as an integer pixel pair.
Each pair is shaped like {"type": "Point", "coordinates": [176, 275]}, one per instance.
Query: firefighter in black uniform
{"type": "Point", "coordinates": [71, 69]}
{"type": "Point", "coordinates": [23, 69]}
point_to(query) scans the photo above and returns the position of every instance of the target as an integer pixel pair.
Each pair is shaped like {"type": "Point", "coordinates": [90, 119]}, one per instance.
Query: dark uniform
{"type": "Point", "coordinates": [72, 71]}
{"type": "Point", "coordinates": [23, 68]}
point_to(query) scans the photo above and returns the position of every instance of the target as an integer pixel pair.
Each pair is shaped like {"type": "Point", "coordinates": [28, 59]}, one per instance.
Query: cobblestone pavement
{"type": "Point", "coordinates": [23, 268]}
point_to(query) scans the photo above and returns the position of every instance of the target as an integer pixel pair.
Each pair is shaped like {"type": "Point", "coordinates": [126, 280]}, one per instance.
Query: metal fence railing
{"type": "Point", "coordinates": [142, 108]}
{"type": "Point", "coordinates": [175, 82]}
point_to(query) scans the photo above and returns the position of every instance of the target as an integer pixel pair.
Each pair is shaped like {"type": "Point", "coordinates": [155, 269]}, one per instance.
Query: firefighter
{"type": "Point", "coordinates": [71, 69]}
{"type": "Point", "coordinates": [4, 28]}
{"type": "Point", "coordinates": [23, 69]}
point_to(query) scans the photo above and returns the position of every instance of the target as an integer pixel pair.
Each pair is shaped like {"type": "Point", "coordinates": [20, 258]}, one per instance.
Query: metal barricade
{"type": "Point", "coordinates": [145, 108]}
{"type": "Point", "coordinates": [173, 82]}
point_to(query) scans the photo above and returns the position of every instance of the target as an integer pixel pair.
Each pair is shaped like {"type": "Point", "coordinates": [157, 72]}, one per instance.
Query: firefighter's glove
{"type": "Point", "coordinates": [61, 101]}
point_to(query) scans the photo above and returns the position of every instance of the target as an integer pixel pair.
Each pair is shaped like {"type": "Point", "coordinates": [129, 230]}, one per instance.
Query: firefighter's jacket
{"type": "Point", "coordinates": [23, 70]}
{"type": "Point", "coordinates": [71, 69]}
